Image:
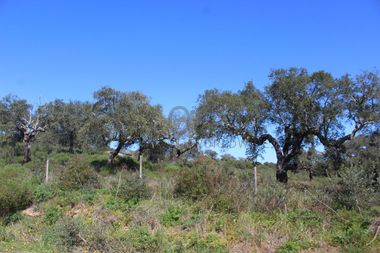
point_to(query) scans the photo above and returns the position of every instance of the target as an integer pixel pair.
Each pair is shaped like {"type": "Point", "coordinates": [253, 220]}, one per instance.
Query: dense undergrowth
{"type": "Point", "coordinates": [201, 206]}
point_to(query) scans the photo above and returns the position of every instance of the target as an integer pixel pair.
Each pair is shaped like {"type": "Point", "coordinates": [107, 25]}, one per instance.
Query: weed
{"type": "Point", "coordinates": [43, 192]}
{"type": "Point", "coordinates": [294, 246]}
{"type": "Point", "coordinates": [171, 217]}
{"type": "Point", "coordinates": [52, 214]}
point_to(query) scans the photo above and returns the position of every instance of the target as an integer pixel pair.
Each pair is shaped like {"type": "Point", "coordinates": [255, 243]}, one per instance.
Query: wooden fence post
{"type": "Point", "coordinates": [141, 157]}
{"type": "Point", "coordinates": [47, 172]}
{"type": "Point", "coordinates": [254, 180]}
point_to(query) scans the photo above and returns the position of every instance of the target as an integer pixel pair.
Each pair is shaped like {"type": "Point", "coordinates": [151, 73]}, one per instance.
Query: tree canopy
{"type": "Point", "coordinates": [296, 111]}
{"type": "Point", "coordinates": [127, 118]}
{"type": "Point", "coordinates": [300, 106]}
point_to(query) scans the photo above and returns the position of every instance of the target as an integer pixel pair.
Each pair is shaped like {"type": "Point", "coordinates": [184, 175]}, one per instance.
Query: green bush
{"type": "Point", "coordinates": [65, 234]}
{"type": "Point", "coordinates": [131, 189]}
{"type": "Point", "coordinates": [223, 192]}
{"type": "Point", "coordinates": [78, 174]}
{"type": "Point", "coordinates": [52, 214]}
{"type": "Point", "coordinates": [98, 239]}
{"type": "Point", "coordinates": [351, 231]}
{"type": "Point", "coordinates": [144, 241]}
{"type": "Point", "coordinates": [171, 216]}
{"type": "Point", "coordinates": [12, 218]}
{"type": "Point", "coordinates": [271, 198]}
{"type": "Point", "coordinates": [43, 192]}
{"type": "Point", "coordinates": [353, 189]}
{"type": "Point", "coordinates": [61, 158]}
{"type": "Point", "coordinates": [15, 189]}
{"type": "Point", "coordinates": [192, 184]}
{"type": "Point", "coordinates": [209, 243]}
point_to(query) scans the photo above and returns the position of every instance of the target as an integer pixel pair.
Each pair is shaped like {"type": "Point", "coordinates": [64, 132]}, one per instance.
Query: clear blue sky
{"type": "Point", "coordinates": [174, 50]}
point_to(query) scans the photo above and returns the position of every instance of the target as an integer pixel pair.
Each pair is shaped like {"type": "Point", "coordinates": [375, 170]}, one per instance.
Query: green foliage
{"type": "Point", "coordinates": [43, 192]}
{"type": "Point", "coordinates": [363, 151]}
{"type": "Point", "coordinates": [71, 198]}
{"type": "Point", "coordinates": [192, 184]}
{"type": "Point", "coordinates": [307, 217]}
{"type": "Point", "coordinates": [172, 167]}
{"type": "Point", "coordinates": [224, 192]}
{"type": "Point", "coordinates": [171, 216]}
{"type": "Point", "coordinates": [299, 105]}
{"type": "Point", "coordinates": [65, 121]}
{"type": "Point", "coordinates": [78, 174]}
{"type": "Point", "coordinates": [271, 198]}
{"type": "Point", "coordinates": [115, 203]}
{"type": "Point", "coordinates": [5, 236]}
{"type": "Point", "coordinates": [98, 238]}
{"type": "Point", "coordinates": [15, 189]}
{"type": "Point", "coordinates": [352, 232]}
{"type": "Point", "coordinates": [100, 163]}
{"type": "Point", "coordinates": [144, 241]}
{"type": "Point", "coordinates": [293, 246]}
{"type": "Point", "coordinates": [64, 234]}
{"type": "Point", "coordinates": [62, 158]}
{"type": "Point", "coordinates": [131, 189]}
{"type": "Point", "coordinates": [353, 189]}
{"type": "Point", "coordinates": [226, 218]}
{"type": "Point", "coordinates": [209, 243]}
{"type": "Point", "coordinates": [130, 115]}
{"type": "Point", "coordinates": [12, 218]}
{"type": "Point", "coordinates": [12, 109]}
{"type": "Point", "coordinates": [52, 214]}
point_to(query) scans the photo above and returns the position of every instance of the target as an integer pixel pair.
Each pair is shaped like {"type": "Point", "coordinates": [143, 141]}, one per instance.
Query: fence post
{"type": "Point", "coordinates": [141, 157]}
{"type": "Point", "coordinates": [255, 180]}
{"type": "Point", "coordinates": [47, 172]}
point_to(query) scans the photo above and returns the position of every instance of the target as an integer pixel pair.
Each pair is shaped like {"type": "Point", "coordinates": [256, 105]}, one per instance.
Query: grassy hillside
{"type": "Point", "coordinates": [202, 206]}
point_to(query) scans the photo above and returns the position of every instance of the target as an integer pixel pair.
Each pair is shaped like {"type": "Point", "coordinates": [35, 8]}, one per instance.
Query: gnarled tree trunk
{"type": "Point", "coordinates": [27, 149]}
{"type": "Point", "coordinates": [115, 152]}
{"type": "Point", "coordinates": [281, 172]}
{"type": "Point", "coordinates": [29, 128]}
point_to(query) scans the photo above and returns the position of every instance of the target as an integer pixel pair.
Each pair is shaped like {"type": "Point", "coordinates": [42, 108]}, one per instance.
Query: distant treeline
{"type": "Point", "coordinates": [305, 109]}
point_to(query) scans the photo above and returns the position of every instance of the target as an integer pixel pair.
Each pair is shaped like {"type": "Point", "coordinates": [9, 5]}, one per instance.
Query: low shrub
{"type": "Point", "coordinates": [52, 214]}
{"type": "Point", "coordinates": [12, 218]}
{"type": "Point", "coordinates": [172, 216]}
{"type": "Point", "coordinates": [131, 189]}
{"type": "Point", "coordinates": [64, 234]}
{"type": "Point", "coordinates": [98, 239]}
{"type": "Point", "coordinates": [192, 184]}
{"type": "Point", "coordinates": [43, 192]}
{"type": "Point", "coordinates": [224, 192]}
{"type": "Point", "coordinates": [144, 241]}
{"type": "Point", "coordinates": [351, 231]}
{"type": "Point", "coordinates": [209, 243]}
{"type": "Point", "coordinates": [61, 158]}
{"type": "Point", "coordinates": [78, 174]}
{"type": "Point", "coordinates": [16, 189]}
{"type": "Point", "coordinates": [271, 198]}
{"type": "Point", "coordinates": [353, 189]}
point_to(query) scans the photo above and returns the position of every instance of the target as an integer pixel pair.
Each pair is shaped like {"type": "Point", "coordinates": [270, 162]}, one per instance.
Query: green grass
{"type": "Point", "coordinates": [124, 214]}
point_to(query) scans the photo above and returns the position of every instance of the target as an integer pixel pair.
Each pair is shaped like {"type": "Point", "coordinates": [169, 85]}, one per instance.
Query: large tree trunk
{"type": "Point", "coordinates": [115, 152]}
{"type": "Point", "coordinates": [281, 166]}
{"type": "Point", "coordinates": [27, 150]}
{"type": "Point", "coordinates": [71, 142]}
{"type": "Point", "coordinates": [281, 173]}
